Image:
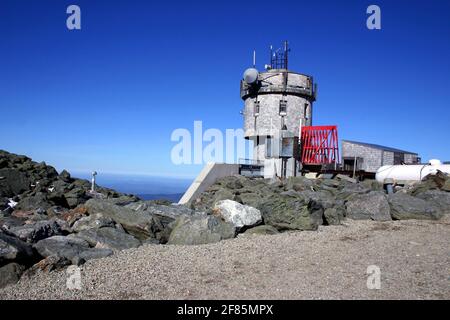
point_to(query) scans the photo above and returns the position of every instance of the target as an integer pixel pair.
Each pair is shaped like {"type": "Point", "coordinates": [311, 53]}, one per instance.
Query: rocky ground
{"type": "Point", "coordinates": [331, 263]}
{"type": "Point", "coordinates": [49, 221]}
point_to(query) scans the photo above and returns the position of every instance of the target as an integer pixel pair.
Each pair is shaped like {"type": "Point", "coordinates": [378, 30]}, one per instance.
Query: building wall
{"type": "Point", "coordinates": [298, 108]}
{"type": "Point", "coordinates": [388, 158]}
{"type": "Point", "coordinates": [372, 157]}
{"type": "Point", "coordinates": [410, 158]}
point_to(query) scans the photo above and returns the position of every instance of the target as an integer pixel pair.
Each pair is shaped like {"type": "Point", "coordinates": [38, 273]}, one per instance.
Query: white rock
{"type": "Point", "coordinates": [238, 214]}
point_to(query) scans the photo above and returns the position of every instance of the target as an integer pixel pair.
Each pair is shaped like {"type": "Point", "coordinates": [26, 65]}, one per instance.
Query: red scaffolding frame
{"type": "Point", "coordinates": [319, 145]}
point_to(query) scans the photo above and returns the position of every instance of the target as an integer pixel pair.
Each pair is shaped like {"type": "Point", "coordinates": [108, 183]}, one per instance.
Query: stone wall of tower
{"type": "Point", "coordinates": [298, 95]}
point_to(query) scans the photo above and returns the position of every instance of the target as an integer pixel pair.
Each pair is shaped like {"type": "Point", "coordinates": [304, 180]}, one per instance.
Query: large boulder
{"type": "Point", "coordinates": [13, 182]}
{"type": "Point", "coordinates": [430, 182]}
{"type": "Point", "coordinates": [200, 229]}
{"type": "Point", "coordinates": [75, 197]}
{"type": "Point", "coordinates": [292, 212]}
{"type": "Point", "coordinates": [93, 221]}
{"type": "Point", "coordinates": [13, 249]}
{"type": "Point", "coordinates": [110, 238]}
{"type": "Point", "coordinates": [137, 223]}
{"type": "Point", "coordinates": [441, 199]}
{"type": "Point", "coordinates": [404, 206]}
{"type": "Point", "coordinates": [351, 189]}
{"type": "Point", "coordinates": [34, 202]}
{"type": "Point", "coordinates": [239, 215]}
{"type": "Point", "coordinates": [10, 274]}
{"type": "Point", "coordinates": [34, 232]}
{"type": "Point", "coordinates": [373, 205]}
{"type": "Point", "coordinates": [73, 249]}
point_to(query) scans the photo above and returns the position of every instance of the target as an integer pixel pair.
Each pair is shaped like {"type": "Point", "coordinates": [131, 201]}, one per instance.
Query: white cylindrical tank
{"type": "Point", "coordinates": [407, 173]}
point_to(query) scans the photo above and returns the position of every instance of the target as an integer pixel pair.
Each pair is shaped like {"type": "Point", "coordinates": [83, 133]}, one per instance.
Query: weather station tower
{"type": "Point", "coordinates": [278, 102]}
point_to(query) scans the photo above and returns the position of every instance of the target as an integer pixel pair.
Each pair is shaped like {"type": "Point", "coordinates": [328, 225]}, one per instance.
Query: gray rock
{"type": "Point", "coordinates": [75, 197]}
{"type": "Point", "coordinates": [200, 229]}
{"type": "Point", "coordinates": [93, 221]}
{"type": "Point", "coordinates": [137, 223]}
{"type": "Point", "coordinates": [298, 183]}
{"type": "Point", "coordinates": [57, 199]}
{"type": "Point", "coordinates": [373, 205]}
{"type": "Point", "coordinates": [373, 185]}
{"type": "Point", "coordinates": [251, 199]}
{"type": "Point", "coordinates": [171, 210]}
{"type": "Point", "coordinates": [345, 178]}
{"type": "Point", "coordinates": [441, 199]}
{"type": "Point", "coordinates": [262, 230]}
{"type": "Point", "coordinates": [291, 212]}
{"type": "Point", "coordinates": [404, 206]}
{"type": "Point", "coordinates": [4, 203]}
{"type": "Point", "coordinates": [333, 216]}
{"type": "Point", "coordinates": [13, 182]}
{"type": "Point", "coordinates": [222, 194]}
{"type": "Point", "coordinates": [351, 189]}
{"type": "Point", "coordinates": [34, 232]}
{"type": "Point", "coordinates": [6, 223]}
{"type": "Point", "coordinates": [37, 201]}
{"type": "Point", "coordinates": [124, 200]}
{"type": "Point", "coordinates": [109, 238]}
{"type": "Point", "coordinates": [330, 183]}
{"type": "Point", "coordinates": [237, 214]}
{"type": "Point", "coordinates": [69, 248]}
{"type": "Point", "coordinates": [10, 274]}
{"type": "Point", "coordinates": [446, 186]}
{"type": "Point", "coordinates": [232, 182]}
{"type": "Point", "coordinates": [430, 182]}
{"type": "Point", "coordinates": [65, 176]}
{"type": "Point", "coordinates": [13, 249]}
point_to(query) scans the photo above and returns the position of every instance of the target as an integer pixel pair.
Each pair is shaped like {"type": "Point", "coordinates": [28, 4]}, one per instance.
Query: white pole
{"type": "Point", "coordinates": [94, 173]}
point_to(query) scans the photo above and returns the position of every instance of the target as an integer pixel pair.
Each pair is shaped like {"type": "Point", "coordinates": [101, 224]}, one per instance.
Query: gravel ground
{"type": "Point", "coordinates": [331, 263]}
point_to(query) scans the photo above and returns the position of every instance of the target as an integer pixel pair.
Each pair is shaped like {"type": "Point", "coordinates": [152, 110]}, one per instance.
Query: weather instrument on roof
{"type": "Point", "coordinates": [251, 76]}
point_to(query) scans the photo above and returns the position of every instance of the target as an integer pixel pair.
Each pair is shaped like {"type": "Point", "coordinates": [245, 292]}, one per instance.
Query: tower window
{"type": "Point", "coordinates": [256, 108]}
{"type": "Point", "coordinates": [283, 107]}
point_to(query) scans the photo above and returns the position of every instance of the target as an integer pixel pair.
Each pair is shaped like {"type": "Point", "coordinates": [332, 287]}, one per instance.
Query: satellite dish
{"type": "Point", "coordinates": [251, 75]}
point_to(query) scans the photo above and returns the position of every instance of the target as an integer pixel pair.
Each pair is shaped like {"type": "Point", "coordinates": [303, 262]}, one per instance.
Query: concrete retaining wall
{"type": "Point", "coordinates": [207, 177]}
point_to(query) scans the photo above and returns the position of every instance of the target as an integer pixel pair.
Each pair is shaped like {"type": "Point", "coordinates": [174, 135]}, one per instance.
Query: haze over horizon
{"type": "Point", "coordinates": [107, 97]}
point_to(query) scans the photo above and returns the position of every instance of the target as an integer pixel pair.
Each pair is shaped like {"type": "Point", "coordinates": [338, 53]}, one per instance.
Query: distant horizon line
{"type": "Point", "coordinates": [140, 174]}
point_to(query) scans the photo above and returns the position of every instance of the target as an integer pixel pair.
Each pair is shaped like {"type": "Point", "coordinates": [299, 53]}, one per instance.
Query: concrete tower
{"type": "Point", "coordinates": [277, 102]}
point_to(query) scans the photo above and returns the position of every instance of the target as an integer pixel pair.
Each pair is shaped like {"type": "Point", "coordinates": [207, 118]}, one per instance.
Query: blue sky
{"type": "Point", "coordinates": [107, 97]}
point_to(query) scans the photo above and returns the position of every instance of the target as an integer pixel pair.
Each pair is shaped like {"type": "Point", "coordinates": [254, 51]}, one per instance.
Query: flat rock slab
{"type": "Point", "coordinates": [110, 238]}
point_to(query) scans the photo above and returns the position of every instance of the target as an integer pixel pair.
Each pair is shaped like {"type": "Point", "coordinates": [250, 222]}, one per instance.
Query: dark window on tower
{"type": "Point", "coordinates": [305, 112]}
{"type": "Point", "coordinates": [283, 107]}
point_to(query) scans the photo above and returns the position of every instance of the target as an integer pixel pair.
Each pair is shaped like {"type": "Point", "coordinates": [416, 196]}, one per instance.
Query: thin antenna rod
{"type": "Point", "coordinates": [286, 50]}
{"type": "Point", "coordinates": [254, 58]}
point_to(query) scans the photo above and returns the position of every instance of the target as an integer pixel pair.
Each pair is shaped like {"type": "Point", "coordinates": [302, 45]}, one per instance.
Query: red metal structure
{"type": "Point", "coordinates": [319, 145]}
